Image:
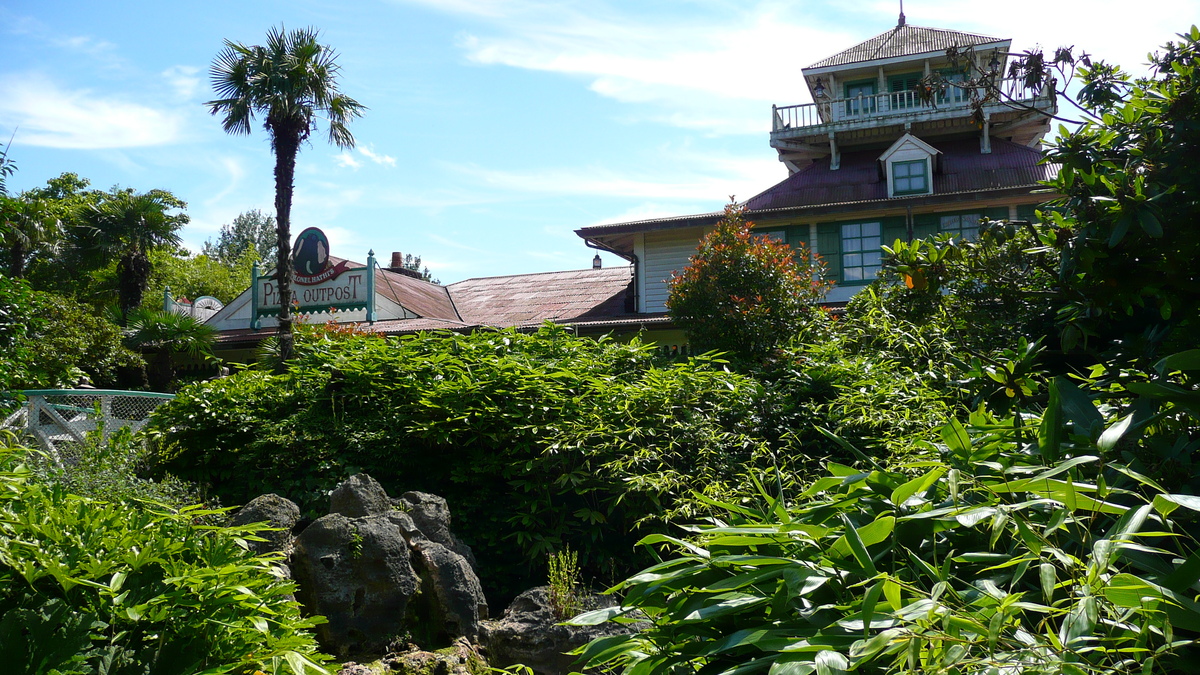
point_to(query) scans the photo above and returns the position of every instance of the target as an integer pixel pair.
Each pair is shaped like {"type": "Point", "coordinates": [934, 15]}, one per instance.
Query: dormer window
{"type": "Point", "coordinates": [910, 178]}
{"type": "Point", "coordinates": [909, 166]}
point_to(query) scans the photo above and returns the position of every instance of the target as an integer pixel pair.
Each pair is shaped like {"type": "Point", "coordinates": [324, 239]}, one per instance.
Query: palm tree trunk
{"type": "Point", "coordinates": [287, 145]}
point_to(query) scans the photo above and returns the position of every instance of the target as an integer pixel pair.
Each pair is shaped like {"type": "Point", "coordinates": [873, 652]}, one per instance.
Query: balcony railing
{"type": "Point", "coordinates": [893, 104]}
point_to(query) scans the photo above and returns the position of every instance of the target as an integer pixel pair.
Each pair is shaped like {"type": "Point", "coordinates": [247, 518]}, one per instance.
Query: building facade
{"type": "Point", "coordinates": [881, 154]}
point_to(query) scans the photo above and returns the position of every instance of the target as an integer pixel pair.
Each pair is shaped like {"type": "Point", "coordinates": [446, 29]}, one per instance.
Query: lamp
{"type": "Point", "coordinates": [819, 89]}
{"type": "Point", "coordinates": [596, 262]}
{"type": "Point", "coordinates": [994, 64]}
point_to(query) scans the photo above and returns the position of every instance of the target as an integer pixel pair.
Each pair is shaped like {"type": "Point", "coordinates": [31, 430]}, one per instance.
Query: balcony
{"type": "Point", "coordinates": [798, 122]}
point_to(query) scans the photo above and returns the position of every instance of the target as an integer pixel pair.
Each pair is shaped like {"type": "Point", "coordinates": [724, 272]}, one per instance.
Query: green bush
{"type": "Point", "coordinates": [537, 441]}
{"type": "Point", "coordinates": [1025, 544]}
{"type": "Point", "coordinates": [110, 587]}
{"type": "Point", "coordinates": [49, 341]}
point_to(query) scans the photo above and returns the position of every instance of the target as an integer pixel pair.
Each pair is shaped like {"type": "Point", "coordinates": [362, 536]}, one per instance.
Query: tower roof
{"type": "Point", "coordinates": [904, 40]}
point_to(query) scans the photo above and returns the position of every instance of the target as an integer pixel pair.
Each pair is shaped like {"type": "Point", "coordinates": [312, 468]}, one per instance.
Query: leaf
{"type": "Point", "coordinates": [792, 664]}
{"type": "Point", "coordinates": [1079, 408]}
{"type": "Point", "coordinates": [1049, 579]}
{"type": "Point", "coordinates": [1185, 361]}
{"type": "Point", "coordinates": [1112, 435]}
{"type": "Point", "coordinates": [830, 662]}
{"type": "Point", "coordinates": [598, 616]}
{"type": "Point", "coordinates": [1080, 622]}
{"type": "Point", "coordinates": [1050, 430]}
{"type": "Point", "coordinates": [957, 439]}
{"type": "Point", "coordinates": [731, 605]}
{"type": "Point", "coordinates": [891, 591]}
{"type": "Point", "coordinates": [919, 484]}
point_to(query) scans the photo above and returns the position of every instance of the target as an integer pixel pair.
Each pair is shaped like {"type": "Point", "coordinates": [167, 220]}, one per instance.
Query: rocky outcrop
{"type": "Point", "coordinates": [377, 575]}
{"type": "Point", "coordinates": [461, 658]}
{"type": "Point", "coordinates": [359, 496]}
{"type": "Point", "coordinates": [275, 511]}
{"type": "Point", "coordinates": [432, 516]}
{"type": "Point", "coordinates": [358, 573]}
{"type": "Point", "coordinates": [527, 633]}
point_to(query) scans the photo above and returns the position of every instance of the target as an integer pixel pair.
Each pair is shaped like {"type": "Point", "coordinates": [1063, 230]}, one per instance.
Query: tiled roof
{"type": "Point", "coordinates": [525, 299]}
{"type": "Point", "coordinates": [962, 169]}
{"type": "Point", "coordinates": [904, 41]}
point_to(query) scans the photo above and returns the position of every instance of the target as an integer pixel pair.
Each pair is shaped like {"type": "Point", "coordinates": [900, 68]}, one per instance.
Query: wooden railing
{"type": "Point", "coordinates": [874, 106]}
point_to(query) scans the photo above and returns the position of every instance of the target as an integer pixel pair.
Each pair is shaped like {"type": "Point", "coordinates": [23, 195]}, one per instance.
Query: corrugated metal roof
{"type": "Point", "coordinates": [962, 169]}
{"type": "Point", "coordinates": [904, 41]}
{"type": "Point", "coordinates": [524, 299]}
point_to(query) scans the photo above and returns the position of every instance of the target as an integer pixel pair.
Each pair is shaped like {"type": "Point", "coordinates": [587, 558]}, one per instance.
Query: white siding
{"type": "Point", "coordinates": [666, 252]}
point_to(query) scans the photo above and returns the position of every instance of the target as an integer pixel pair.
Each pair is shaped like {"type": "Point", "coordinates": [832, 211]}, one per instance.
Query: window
{"type": "Point", "coordinates": [860, 251]}
{"type": "Point", "coordinates": [910, 178]}
{"type": "Point", "coordinates": [952, 89]}
{"type": "Point", "coordinates": [902, 89]}
{"type": "Point", "coordinates": [856, 105]}
{"type": "Point", "coordinates": [965, 226]}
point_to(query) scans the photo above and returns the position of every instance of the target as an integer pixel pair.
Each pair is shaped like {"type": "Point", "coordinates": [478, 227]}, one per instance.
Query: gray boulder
{"type": "Point", "coordinates": [431, 515]}
{"type": "Point", "coordinates": [457, 603]}
{"type": "Point", "coordinates": [358, 573]}
{"type": "Point", "coordinates": [275, 511]}
{"type": "Point", "coordinates": [359, 496]}
{"type": "Point", "coordinates": [527, 633]}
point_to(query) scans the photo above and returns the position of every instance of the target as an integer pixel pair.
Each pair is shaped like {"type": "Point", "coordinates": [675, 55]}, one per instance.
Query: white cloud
{"type": "Point", "coordinates": [183, 79]}
{"type": "Point", "coordinates": [718, 67]}
{"type": "Point", "coordinates": [378, 159]}
{"type": "Point", "coordinates": [347, 160]}
{"type": "Point", "coordinates": [51, 117]}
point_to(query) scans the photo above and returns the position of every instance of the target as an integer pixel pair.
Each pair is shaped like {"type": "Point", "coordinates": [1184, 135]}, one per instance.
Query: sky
{"type": "Point", "coordinates": [495, 128]}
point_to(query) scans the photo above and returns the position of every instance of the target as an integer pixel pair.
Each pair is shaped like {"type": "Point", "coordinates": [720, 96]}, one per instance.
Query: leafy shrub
{"type": "Point", "coordinates": [107, 587]}
{"type": "Point", "coordinates": [114, 468]}
{"type": "Point", "coordinates": [49, 341]}
{"type": "Point", "coordinates": [1022, 545]}
{"type": "Point", "coordinates": [537, 441]}
{"type": "Point", "coordinates": [743, 293]}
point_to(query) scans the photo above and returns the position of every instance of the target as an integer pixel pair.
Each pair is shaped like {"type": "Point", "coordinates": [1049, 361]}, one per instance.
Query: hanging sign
{"type": "Point", "coordinates": [320, 284]}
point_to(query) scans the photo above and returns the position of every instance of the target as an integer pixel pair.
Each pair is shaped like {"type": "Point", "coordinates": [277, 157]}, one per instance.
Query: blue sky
{"type": "Point", "coordinates": [496, 127]}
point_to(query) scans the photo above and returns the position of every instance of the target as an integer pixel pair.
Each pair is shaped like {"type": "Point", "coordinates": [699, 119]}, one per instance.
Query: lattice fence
{"type": "Point", "coordinates": [60, 420]}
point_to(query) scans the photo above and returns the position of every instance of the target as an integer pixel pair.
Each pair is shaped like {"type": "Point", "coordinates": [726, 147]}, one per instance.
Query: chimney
{"type": "Point", "coordinates": [596, 262]}
{"type": "Point", "coordinates": [397, 260]}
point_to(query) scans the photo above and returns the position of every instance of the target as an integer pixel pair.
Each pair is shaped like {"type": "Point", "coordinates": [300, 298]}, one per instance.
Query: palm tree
{"type": "Point", "coordinates": [27, 226]}
{"type": "Point", "coordinates": [291, 81]}
{"type": "Point", "coordinates": [125, 227]}
{"type": "Point", "coordinates": [168, 334]}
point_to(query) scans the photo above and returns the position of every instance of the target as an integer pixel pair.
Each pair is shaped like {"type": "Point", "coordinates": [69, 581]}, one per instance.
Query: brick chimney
{"type": "Point", "coordinates": [397, 260]}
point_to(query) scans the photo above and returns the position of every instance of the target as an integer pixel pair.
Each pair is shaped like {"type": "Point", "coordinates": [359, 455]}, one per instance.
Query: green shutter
{"type": "Point", "coordinates": [829, 247]}
{"type": "Point", "coordinates": [997, 213]}
{"type": "Point", "coordinates": [1027, 212]}
{"type": "Point", "coordinates": [925, 225]}
{"type": "Point", "coordinates": [893, 229]}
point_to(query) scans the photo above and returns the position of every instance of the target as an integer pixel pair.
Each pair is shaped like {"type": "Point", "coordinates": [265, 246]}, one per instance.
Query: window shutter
{"type": "Point", "coordinates": [925, 226]}
{"type": "Point", "coordinates": [997, 213]}
{"type": "Point", "coordinates": [1027, 212]}
{"type": "Point", "coordinates": [893, 229]}
{"type": "Point", "coordinates": [829, 247]}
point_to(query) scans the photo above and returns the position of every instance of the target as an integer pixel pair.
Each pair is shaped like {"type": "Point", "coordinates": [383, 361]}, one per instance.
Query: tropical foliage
{"type": "Point", "coordinates": [90, 587]}
{"type": "Point", "coordinates": [1024, 544]}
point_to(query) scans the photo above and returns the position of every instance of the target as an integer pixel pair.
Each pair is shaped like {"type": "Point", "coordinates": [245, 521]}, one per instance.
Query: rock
{"type": "Point", "coordinates": [275, 511]}
{"type": "Point", "coordinates": [352, 668]}
{"type": "Point", "coordinates": [432, 516]}
{"type": "Point", "coordinates": [359, 496]}
{"type": "Point", "coordinates": [456, 597]}
{"type": "Point", "coordinates": [461, 658]}
{"type": "Point", "coordinates": [527, 633]}
{"type": "Point", "coordinates": [357, 572]}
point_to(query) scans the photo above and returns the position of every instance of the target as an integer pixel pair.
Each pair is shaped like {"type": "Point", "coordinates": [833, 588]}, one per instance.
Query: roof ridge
{"type": "Point", "coordinates": [534, 274]}
{"type": "Point", "coordinates": [872, 48]}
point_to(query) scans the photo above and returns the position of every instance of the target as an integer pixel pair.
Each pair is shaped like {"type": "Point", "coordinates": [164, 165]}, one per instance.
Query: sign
{"type": "Point", "coordinates": [320, 285]}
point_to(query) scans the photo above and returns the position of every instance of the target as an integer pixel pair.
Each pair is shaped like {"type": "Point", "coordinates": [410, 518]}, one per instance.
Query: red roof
{"type": "Point", "coordinates": [525, 299]}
